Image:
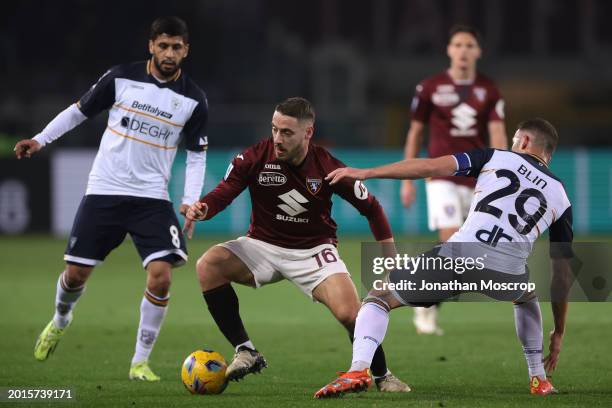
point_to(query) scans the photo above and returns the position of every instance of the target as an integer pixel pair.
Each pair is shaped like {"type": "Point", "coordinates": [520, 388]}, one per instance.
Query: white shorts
{"type": "Point", "coordinates": [448, 204]}
{"type": "Point", "coordinates": [306, 268]}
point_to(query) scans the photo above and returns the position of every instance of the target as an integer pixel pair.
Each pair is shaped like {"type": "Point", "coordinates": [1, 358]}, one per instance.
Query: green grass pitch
{"type": "Point", "coordinates": [477, 363]}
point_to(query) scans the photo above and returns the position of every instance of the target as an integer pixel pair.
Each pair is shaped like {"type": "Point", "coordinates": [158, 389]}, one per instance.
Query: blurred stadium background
{"type": "Point", "coordinates": [358, 62]}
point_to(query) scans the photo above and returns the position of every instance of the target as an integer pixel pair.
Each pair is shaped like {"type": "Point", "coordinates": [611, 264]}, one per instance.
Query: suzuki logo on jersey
{"type": "Point", "coordinates": [154, 110]}
{"type": "Point", "coordinates": [293, 201]}
{"type": "Point", "coordinates": [314, 184]}
{"type": "Point", "coordinates": [146, 128]}
{"type": "Point", "coordinates": [464, 117]}
{"type": "Point", "coordinates": [271, 178]}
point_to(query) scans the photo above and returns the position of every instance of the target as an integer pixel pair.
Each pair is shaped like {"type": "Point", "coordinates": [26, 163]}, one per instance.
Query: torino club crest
{"type": "Point", "coordinates": [314, 184]}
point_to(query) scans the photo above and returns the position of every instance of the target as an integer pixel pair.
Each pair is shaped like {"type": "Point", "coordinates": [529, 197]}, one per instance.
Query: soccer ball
{"type": "Point", "coordinates": [203, 372]}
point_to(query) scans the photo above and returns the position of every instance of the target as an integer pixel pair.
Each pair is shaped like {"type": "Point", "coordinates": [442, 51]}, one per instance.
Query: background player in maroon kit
{"type": "Point", "coordinates": [461, 107]}
{"type": "Point", "coordinates": [292, 235]}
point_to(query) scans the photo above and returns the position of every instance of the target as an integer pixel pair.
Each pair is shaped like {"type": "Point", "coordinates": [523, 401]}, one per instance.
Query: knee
{"type": "Point", "coordinates": [159, 279]}
{"type": "Point", "coordinates": [208, 267]}
{"type": "Point", "coordinates": [161, 285]}
{"type": "Point", "coordinates": [347, 316]}
{"type": "Point", "coordinates": [201, 266]}
{"type": "Point", "coordinates": [527, 297]}
{"type": "Point", "coordinates": [76, 275]}
{"type": "Point", "coordinates": [387, 301]}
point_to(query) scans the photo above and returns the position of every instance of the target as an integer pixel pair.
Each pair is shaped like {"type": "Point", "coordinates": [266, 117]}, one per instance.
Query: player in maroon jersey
{"type": "Point", "coordinates": [461, 107]}
{"type": "Point", "coordinates": [292, 234]}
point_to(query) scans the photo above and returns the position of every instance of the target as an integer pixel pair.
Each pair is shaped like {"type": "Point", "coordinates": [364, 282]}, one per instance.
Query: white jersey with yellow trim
{"type": "Point", "coordinates": [146, 122]}
{"type": "Point", "coordinates": [516, 199]}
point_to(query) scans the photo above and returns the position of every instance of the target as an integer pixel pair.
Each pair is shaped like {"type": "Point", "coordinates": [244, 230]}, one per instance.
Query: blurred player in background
{"type": "Point", "coordinates": [518, 198]}
{"type": "Point", "coordinates": [152, 106]}
{"type": "Point", "coordinates": [292, 235]}
{"type": "Point", "coordinates": [461, 107]}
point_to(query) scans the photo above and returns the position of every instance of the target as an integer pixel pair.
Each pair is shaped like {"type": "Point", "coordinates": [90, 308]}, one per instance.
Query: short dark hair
{"type": "Point", "coordinates": [545, 133]}
{"type": "Point", "coordinates": [170, 25]}
{"type": "Point", "coordinates": [464, 28]}
{"type": "Point", "coordinates": [296, 107]}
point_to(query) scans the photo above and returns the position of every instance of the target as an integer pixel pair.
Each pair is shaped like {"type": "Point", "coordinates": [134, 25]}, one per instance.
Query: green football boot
{"type": "Point", "coordinates": [48, 340]}
{"type": "Point", "coordinates": [142, 371]}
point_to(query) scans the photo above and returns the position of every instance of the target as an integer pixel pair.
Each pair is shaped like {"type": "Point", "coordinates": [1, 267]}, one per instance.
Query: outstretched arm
{"type": "Point", "coordinates": [64, 122]}
{"type": "Point", "coordinates": [405, 169]}
{"type": "Point", "coordinates": [99, 97]}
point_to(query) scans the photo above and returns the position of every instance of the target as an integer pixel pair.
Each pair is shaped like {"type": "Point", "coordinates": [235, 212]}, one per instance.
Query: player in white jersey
{"type": "Point", "coordinates": [153, 106]}
{"type": "Point", "coordinates": [517, 198]}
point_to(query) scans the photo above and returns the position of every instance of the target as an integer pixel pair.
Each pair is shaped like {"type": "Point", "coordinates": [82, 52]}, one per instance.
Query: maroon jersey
{"type": "Point", "coordinates": [457, 115]}
{"type": "Point", "coordinates": [291, 205]}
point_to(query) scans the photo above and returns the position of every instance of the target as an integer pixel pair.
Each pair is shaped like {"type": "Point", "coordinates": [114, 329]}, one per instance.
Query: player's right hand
{"type": "Point", "coordinates": [345, 172]}
{"type": "Point", "coordinates": [408, 193]}
{"type": "Point", "coordinates": [550, 361]}
{"type": "Point", "coordinates": [196, 212]}
{"type": "Point", "coordinates": [26, 148]}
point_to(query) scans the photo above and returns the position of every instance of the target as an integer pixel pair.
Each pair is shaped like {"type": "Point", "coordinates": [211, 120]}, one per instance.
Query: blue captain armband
{"type": "Point", "coordinates": [464, 164]}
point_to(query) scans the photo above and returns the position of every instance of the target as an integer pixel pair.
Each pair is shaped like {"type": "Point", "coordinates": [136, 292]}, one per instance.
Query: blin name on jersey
{"type": "Point", "coordinates": [516, 199]}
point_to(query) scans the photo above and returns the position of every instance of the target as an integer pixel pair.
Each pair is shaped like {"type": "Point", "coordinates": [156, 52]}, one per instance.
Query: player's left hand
{"type": "Point", "coordinates": [345, 172]}
{"type": "Point", "coordinates": [196, 212]}
{"type": "Point", "coordinates": [183, 209]}
{"type": "Point", "coordinates": [550, 361]}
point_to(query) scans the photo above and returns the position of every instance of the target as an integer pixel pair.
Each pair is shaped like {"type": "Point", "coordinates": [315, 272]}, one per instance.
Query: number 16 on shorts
{"type": "Point", "coordinates": [326, 256]}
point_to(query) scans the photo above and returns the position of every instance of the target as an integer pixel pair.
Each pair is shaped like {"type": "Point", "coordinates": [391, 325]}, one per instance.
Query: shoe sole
{"type": "Point", "coordinates": [397, 390]}
{"type": "Point", "coordinates": [339, 394]}
{"type": "Point", "coordinates": [138, 378]}
{"type": "Point", "coordinates": [239, 373]}
{"type": "Point", "coordinates": [554, 391]}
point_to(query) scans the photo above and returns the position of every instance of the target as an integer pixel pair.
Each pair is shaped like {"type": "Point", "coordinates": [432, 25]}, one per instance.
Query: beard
{"type": "Point", "coordinates": [286, 154]}
{"type": "Point", "coordinates": [166, 70]}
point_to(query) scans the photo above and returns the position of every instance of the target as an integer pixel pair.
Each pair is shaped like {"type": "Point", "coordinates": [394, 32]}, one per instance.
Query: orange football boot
{"type": "Point", "coordinates": [352, 381]}
{"type": "Point", "coordinates": [541, 387]}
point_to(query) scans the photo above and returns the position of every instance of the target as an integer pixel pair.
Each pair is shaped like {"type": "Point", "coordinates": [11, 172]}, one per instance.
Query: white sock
{"type": "Point", "coordinates": [65, 299]}
{"type": "Point", "coordinates": [370, 329]}
{"type": "Point", "coordinates": [247, 343]}
{"type": "Point", "coordinates": [528, 322]}
{"type": "Point", "coordinates": [152, 312]}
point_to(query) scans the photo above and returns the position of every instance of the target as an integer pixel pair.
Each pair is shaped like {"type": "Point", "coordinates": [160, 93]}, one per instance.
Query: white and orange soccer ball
{"type": "Point", "coordinates": [203, 372]}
